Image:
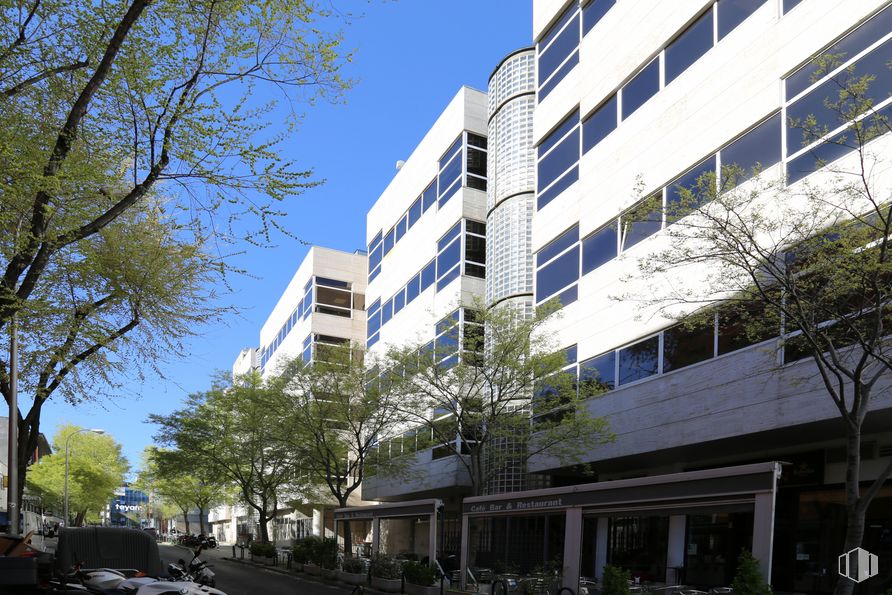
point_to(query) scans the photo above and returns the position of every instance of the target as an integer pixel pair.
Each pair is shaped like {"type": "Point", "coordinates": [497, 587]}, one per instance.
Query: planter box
{"type": "Point", "coordinates": [390, 585]}
{"type": "Point", "coordinates": [353, 578]}
{"type": "Point", "coordinates": [312, 569]}
{"type": "Point", "coordinates": [267, 560]}
{"type": "Point", "coordinates": [420, 590]}
{"type": "Point", "coordinates": [330, 574]}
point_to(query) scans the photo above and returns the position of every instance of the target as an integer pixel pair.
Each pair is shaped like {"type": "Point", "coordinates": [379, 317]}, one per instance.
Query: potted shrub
{"type": "Point", "coordinates": [353, 571]}
{"type": "Point", "coordinates": [420, 578]}
{"type": "Point", "coordinates": [264, 553]}
{"type": "Point", "coordinates": [311, 566]}
{"type": "Point", "coordinates": [748, 580]}
{"type": "Point", "coordinates": [386, 573]}
{"type": "Point", "coordinates": [300, 554]}
{"type": "Point", "coordinates": [326, 556]}
{"type": "Point", "coordinates": [616, 581]}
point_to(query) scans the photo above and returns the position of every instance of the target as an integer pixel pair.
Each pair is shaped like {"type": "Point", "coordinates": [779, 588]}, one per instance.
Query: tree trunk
{"type": "Point", "coordinates": [348, 537]}
{"type": "Point", "coordinates": [201, 520]}
{"type": "Point", "coordinates": [854, 513]}
{"type": "Point", "coordinates": [79, 518]}
{"type": "Point", "coordinates": [29, 432]}
{"type": "Point", "coordinates": [186, 520]}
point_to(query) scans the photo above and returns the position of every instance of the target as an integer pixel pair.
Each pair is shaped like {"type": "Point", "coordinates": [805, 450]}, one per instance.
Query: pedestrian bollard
{"type": "Point", "coordinates": [233, 551]}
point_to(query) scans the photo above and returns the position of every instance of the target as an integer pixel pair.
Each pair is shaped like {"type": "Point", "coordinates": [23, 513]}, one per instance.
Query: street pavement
{"type": "Point", "coordinates": [236, 578]}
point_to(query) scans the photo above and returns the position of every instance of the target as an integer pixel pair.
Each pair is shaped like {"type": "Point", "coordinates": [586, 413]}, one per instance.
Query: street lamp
{"type": "Point", "coordinates": [67, 442]}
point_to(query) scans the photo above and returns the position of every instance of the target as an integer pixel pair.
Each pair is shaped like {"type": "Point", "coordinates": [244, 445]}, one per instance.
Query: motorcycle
{"type": "Point", "coordinates": [110, 581]}
{"type": "Point", "coordinates": [197, 570]}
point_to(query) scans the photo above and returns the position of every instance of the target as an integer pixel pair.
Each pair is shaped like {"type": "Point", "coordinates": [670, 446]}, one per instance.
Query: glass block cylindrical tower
{"type": "Point", "coordinates": [510, 202]}
{"type": "Point", "coordinates": [510, 196]}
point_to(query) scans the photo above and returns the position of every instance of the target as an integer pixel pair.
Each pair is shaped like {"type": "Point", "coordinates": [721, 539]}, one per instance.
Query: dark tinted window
{"type": "Point", "coordinates": [733, 12]}
{"type": "Point", "coordinates": [448, 278]}
{"type": "Point", "coordinates": [548, 87]}
{"type": "Point", "coordinates": [388, 241]}
{"type": "Point", "coordinates": [684, 346]}
{"type": "Point", "coordinates": [558, 245]}
{"type": "Point", "coordinates": [568, 296]}
{"type": "Point", "coordinates": [475, 140]}
{"type": "Point", "coordinates": [760, 147]}
{"type": "Point", "coordinates": [402, 227]}
{"type": "Point", "coordinates": [692, 43]}
{"type": "Point", "coordinates": [399, 300]}
{"type": "Point", "coordinates": [429, 196]}
{"type": "Point", "coordinates": [593, 12]}
{"type": "Point", "coordinates": [745, 326]}
{"type": "Point", "coordinates": [386, 312]}
{"type": "Point", "coordinates": [570, 353]}
{"type": "Point", "coordinates": [639, 360]}
{"type": "Point", "coordinates": [847, 47]}
{"type": "Point", "coordinates": [415, 212]}
{"type": "Point", "coordinates": [816, 158]}
{"type": "Point", "coordinates": [598, 248]}
{"type": "Point", "coordinates": [641, 222]}
{"type": "Point", "coordinates": [413, 287]}
{"type": "Point", "coordinates": [676, 208]}
{"type": "Point", "coordinates": [564, 156]}
{"type": "Point", "coordinates": [448, 179]}
{"type": "Point", "coordinates": [375, 257]}
{"type": "Point", "coordinates": [475, 249]}
{"type": "Point", "coordinates": [543, 198]}
{"type": "Point", "coordinates": [559, 41]}
{"type": "Point", "coordinates": [428, 274]}
{"type": "Point", "coordinates": [641, 88]}
{"type": "Point", "coordinates": [598, 125]}
{"type": "Point", "coordinates": [448, 258]}
{"type": "Point", "coordinates": [476, 162]}
{"type": "Point", "coordinates": [451, 152]}
{"type": "Point", "coordinates": [475, 227]}
{"type": "Point", "coordinates": [449, 236]}
{"type": "Point", "coordinates": [597, 374]}
{"type": "Point", "coordinates": [790, 5]}
{"type": "Point", "coordinates": [558, 133]}
{"type": "Point", "coordinates": [556, 275]}
{"type": "Point", "coordinates": [333, 297]}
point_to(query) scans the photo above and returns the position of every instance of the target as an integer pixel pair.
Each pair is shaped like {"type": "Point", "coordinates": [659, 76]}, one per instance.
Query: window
{"type": "Point", "coordinates": [476, 162]}
{"type": "Point", "coordinates": [641, 88]}
{"type": "Point", "coordinates": [683, 346]}
{"type": "Point", "coordinates": [413, 288]}
{"type": "Point", "coordinates": [428, 274]}
{"type": "Point", "coordinates": [475, 249]}
{"type": "Point", "coordinates": [447, 339]}
{"type": "Point", "coordinates": [757, 149]}
{"type": "Point", "coordinates": [415, 212]}
{"type": "Point", "coordinates": [448, 256]}
{"type": "Point", "coordinates": [599, 124]}
{"type": "Point", "coordinates": [733, 12]}
{"type": "Point", "coordinates": [642, 221]}
{"type": "Point", "coordinates": [597, 374]}
{"type": "Point", "coordinates": [639, 360]}
{"type": "Point", "coordinates": [693, 184]}
{"type": "Point", "coordinates": [333, 301]}
{"type": "Point", "coordinates": [389, 241]}
{"type": "Point", "coordinates": [449, 177]}
{"type": "Point", "coordinates": [690, 44]}
{"type": "Point", "coordinates": [593, 12]}
{"type": "Point", "coordinates": [790, 5]}
{"type": "Point", "coordinates": [386, 312]}
{"type": "Point", "coordinates": [402, 227]}
{"type": "Point", "coordinates": [558, 159]}
{"type": "Point", "coordinates": [399, 300]}
{"type": "Point", "coordinates": [557, 274]}
{"type": "Point", "coordinates": [429, 196]}
{"type": "Point", "coordinates": [558, 50]}
{"type": "Point", "coordinates": [599, 248]}
{"type": "Point", "coordinates": [558, 245]}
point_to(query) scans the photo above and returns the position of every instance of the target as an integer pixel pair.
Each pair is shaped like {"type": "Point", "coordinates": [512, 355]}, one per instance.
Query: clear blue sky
{"type": "Point", "coordinates": [411, 57]}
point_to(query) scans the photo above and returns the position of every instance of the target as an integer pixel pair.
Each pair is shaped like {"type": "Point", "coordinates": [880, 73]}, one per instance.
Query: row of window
{"type": "Point", "coordinates": [819, 110]}
{"type": "Point", "coordinates": [323, 296]}
{"type": "Point", "coordinates": [558, 50]}
{"type": "Point", "coordinates": [672, 349]}
{"type": "Point", "coordinates": [561, 262]}
{"type": "Point", "coordinates": [461, 251]}
{"type": "Point", "coordinates": [464, 160]}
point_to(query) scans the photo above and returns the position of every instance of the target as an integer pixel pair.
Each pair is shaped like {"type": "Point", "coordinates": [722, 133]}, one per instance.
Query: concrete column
{"type": "Point", "coordinates": [318, 522]}
{"type": "Point", "coordinates": [572, 548]}
{"type": "Point", "coordinates": [463, 557]}
{"type": "Point", "coordinates": [601, 547]}
{"type": "Point", "coordinates": [763, 532]}
{"type": "Point", "coordinates": [376, 535]}
{"type": "Point", "coordinates": [432, 540]}
{"type": "Point", "coordinates": [675, 551]}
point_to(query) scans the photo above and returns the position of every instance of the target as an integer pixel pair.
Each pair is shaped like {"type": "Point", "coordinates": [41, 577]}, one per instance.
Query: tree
{"type": "Point", "coordinates": [104, 108]}
{"type": "Point", "coordinates": [96, 468]}
{"type": "Point", "coordinates": [335, 416]}
{"type": "Point", "coordinates": [234, 429]}
{"type": "Point", "coordinates": [493, 392]}
{"type": "Point", "coordinates": [182, 481]}
{"type": "Point", "coordinates": [809, 263]}
{"type": "Point", "coordinates": [123, 301]}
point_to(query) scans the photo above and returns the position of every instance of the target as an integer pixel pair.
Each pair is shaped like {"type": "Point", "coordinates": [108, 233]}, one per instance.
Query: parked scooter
{"type": "Point", "coordinates": [109, 581]}
{"type": "Point", "coordinates": [197, 570]}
